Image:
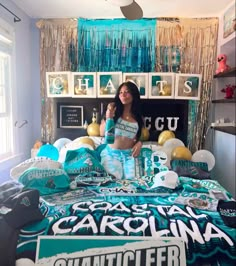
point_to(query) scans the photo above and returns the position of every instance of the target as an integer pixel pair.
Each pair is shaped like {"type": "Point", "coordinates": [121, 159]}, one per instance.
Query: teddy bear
{"type": "Point", "coordinates": [222, 67]}
{"type": "Point", "coordinates": [229, 91]}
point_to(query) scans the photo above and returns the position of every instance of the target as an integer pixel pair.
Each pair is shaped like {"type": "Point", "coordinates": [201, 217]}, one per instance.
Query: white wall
{"type": "Point", "coordinates": [26, 87]}
{"type": "Point", "coordinates": [222, 144]}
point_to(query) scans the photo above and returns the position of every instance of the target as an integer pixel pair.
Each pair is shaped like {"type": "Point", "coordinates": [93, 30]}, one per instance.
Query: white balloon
{"type": "Point", "coordinates": [60, 143]}
{"type": "Point", "coordinates": [204, 156]}
{"type": "Point", "coordinates": [173, 143]}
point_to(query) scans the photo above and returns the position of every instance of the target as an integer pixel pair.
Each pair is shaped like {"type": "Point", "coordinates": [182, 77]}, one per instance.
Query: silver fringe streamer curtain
{"type": "Point", "coordinates": [58, 43]}
{"type": "Point", "coordinates": [196, 41]}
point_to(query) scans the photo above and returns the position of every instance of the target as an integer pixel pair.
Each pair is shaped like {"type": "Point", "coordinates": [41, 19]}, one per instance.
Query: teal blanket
{"type": "Point", "coordinates": [130, 209]}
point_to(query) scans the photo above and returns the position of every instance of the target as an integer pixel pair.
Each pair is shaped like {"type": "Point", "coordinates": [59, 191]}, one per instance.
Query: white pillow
{"type": "Point", "coordinates": [37, 162]}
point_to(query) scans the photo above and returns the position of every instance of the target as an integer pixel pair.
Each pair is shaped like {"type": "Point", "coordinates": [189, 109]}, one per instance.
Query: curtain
{"type": "Point", "coordinates": [190, 46]}
{"type": "Point", "coordinates": [116, 45]}
{"type": "Point", "coordinates": [58, 46]}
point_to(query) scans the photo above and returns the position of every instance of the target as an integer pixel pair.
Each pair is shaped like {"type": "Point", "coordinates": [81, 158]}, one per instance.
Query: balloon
{"type": "Point", "coordinates": [85, 140]}
{"type": "Point", "coordinates": [164, 136]}
{"type": "Point", "coordinates": [181, 152]}
{"type": "Point", "coordinates": [48, 151]}
{"type": "Point", "coordinates": [60, 143]}
{"type": "Point", "coordinates": [93, 129]}
{"type": "Point", "coordinates": [204, 156]}
{"type": "Point", "coordinates": [144, 134]}
{"type": "Point", "coordinates": [173, 143]}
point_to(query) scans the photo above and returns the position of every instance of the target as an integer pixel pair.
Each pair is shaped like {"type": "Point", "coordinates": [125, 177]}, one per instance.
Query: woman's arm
{"type": "Point", "coordinates": [110, 112]}
{"type": "Point", "coordinates": [102, 128]}
{"type": "Point", "coordinates": [137, 148]}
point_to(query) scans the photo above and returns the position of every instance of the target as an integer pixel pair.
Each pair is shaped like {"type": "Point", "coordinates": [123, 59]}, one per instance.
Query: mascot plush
{"type": "Point", "coordinates": [229, 91]}
{"type": "Point", "coordinates": [222, 67]}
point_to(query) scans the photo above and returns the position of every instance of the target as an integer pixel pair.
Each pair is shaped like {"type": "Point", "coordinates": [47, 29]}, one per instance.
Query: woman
{"type": "Point", "coordinates": [119, 158]}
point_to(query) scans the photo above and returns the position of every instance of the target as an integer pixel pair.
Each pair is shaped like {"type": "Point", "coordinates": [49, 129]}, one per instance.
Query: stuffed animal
{"type": "Point", "coordinates": [229, 91]}
{"type": "Point", "coordinates": [222, 58]}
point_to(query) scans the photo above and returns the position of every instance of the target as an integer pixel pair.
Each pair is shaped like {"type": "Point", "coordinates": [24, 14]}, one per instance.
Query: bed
{"type": "Point", "coordinates": [79, 200]}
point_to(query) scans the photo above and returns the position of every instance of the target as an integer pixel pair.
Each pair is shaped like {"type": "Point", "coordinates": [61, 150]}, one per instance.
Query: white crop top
{"type": "Point", "coordinates": [126, 129]}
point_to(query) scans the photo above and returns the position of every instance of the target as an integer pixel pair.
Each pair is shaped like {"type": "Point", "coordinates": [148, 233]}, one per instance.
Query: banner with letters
{"type": "Point", "coordinates": [108, 251]}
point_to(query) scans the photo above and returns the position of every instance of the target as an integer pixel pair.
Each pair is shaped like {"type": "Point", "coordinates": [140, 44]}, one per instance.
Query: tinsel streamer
{"type": "Point", "coordinates": [196, 40]}
{"type": "Point", "coordinates": [56, 37]}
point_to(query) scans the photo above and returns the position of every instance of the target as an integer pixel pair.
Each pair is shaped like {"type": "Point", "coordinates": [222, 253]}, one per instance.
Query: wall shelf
{"type": "Point", "coordinates": [228, 73]}
{"type": "Point", "coordinates": [233, 100]}
{"type": "Point", "coordinates": [230, 130]}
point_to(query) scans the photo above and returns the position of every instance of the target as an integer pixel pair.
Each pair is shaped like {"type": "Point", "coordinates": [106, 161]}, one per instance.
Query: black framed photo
{"type": "Point", "coordinates": [71, 116]}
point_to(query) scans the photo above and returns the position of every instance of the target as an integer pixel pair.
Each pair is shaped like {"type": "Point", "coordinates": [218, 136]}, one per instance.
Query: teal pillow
{"type": "Point", "coordinates": [81, 161]}
{"type": "Point", "coordinates": [187, 164]}
{"type": "Point", "coordinates": [46, 181]}
{"type": "Point", "coordinates": [196, 170]}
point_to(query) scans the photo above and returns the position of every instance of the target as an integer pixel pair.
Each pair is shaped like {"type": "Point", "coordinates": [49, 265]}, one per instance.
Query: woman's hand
{"type": "Point", "coordinates": [136, 149]}
{"type": "Point", "coordinates": [110, 112]}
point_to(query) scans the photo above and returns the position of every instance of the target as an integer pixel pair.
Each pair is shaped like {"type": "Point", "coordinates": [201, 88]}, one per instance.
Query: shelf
{"type": "Point", "coordinates": [228, 73]}
{"type": "Point", "coordinates": [229, 130]}
{"type": "Point", "coordinates": [233, 100]}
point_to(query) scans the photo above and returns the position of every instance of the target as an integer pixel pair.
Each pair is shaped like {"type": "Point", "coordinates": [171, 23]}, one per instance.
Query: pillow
{"type": "Point", "coordinates": [46, 181]}
{"type": "Point", "coordinates": [153, 162]}
{"type": "Point", "coordinates": [83, 160]}
{"type": "Point", "coordinates": [37, 162]}
{"type": "Point", "coordinates": [187, 163]}
{"type": "Point", "coordinates": [197, 170]}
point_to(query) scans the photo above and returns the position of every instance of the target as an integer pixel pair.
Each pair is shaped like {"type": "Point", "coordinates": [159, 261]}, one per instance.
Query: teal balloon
{"type": "Point", "coordinates": [48, 151]}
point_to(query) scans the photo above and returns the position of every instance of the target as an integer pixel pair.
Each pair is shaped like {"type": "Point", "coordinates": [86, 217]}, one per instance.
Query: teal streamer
{"type": "Point", "coordinates": [116, 45]}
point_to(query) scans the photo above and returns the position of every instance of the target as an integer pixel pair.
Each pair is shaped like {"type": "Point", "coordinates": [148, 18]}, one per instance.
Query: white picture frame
{"type": "Point", "coordinates": [141, 80]}
{"type": "Point", "coordinates": [58, 84]}
{"type": "Point", "coordinates": [83, 84]}
{"type": "Point", "coordinates": [161, 85]}
{"type": "Point", "coordinates": [108, 83]}
{"type": "Point", "coordinates": [188, 86]}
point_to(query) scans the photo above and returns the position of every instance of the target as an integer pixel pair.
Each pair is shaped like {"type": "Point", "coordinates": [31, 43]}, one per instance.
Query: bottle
{"type": "Point", "coordinates": [110, 131]}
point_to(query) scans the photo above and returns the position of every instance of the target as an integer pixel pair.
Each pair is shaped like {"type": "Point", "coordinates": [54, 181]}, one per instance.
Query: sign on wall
{"type": "Point", "coordinates": [153, 85]}
{"type": "Point", "coordinates": [71, 116]}
{"type": "Point", "coordinates": [107, 250]}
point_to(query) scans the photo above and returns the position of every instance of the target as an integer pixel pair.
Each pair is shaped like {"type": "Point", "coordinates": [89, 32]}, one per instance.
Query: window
{"type": "Point", "coordinates": [6, 119]}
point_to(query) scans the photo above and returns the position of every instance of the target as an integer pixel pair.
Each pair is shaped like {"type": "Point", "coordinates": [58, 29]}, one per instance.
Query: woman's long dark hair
{"type": "Point", "coordinates": [135, 107]}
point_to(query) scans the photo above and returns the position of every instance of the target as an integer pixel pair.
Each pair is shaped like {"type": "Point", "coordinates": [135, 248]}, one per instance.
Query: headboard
{"type": "Point", "coordinates": [159, 115]}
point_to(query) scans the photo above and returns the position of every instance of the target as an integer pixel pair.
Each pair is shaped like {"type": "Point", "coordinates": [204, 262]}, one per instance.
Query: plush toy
{"type": "Point", "coordinates": [222, 58]}
{"type": "Point", "coordinates": [229, 91]}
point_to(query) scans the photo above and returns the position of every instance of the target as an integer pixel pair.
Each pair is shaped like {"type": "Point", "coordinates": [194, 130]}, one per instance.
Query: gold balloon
{"type": "Point", "coordinates": [166, 90]}
{"type": "Point", "coordinates": [164, 136]}
{"type": "Point", "coordinates": [181, 152]}
{"type": "Point", "coordinates": [144, 134]}
{"type": "Point", "coordinates": [93, 129]}
{"type": "Point", "coordinates": [86, 140]}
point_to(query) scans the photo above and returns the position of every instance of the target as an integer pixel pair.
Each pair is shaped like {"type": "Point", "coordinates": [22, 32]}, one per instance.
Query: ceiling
{"type": "Point", "coordinates": [103, 9]}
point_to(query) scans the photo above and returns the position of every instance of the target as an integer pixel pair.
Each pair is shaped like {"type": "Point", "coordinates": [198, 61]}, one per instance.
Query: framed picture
{"type": "Point", "coordinates": [108, 82]}
{"type": "Point", "coordinates": [229, 21]}
{"type": "Point", "coordinates": [161, 85]}
{"type": "Point", "coordinates": [83, 84]}
{"type": "Point", "coordinates": [58, 84]}
{"type": "Point", "coordinates": [141, 80]}
{"type": "Point", "coordinates": [188, 86]}
{"type": "Point", "coordinates": [71, 116]}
